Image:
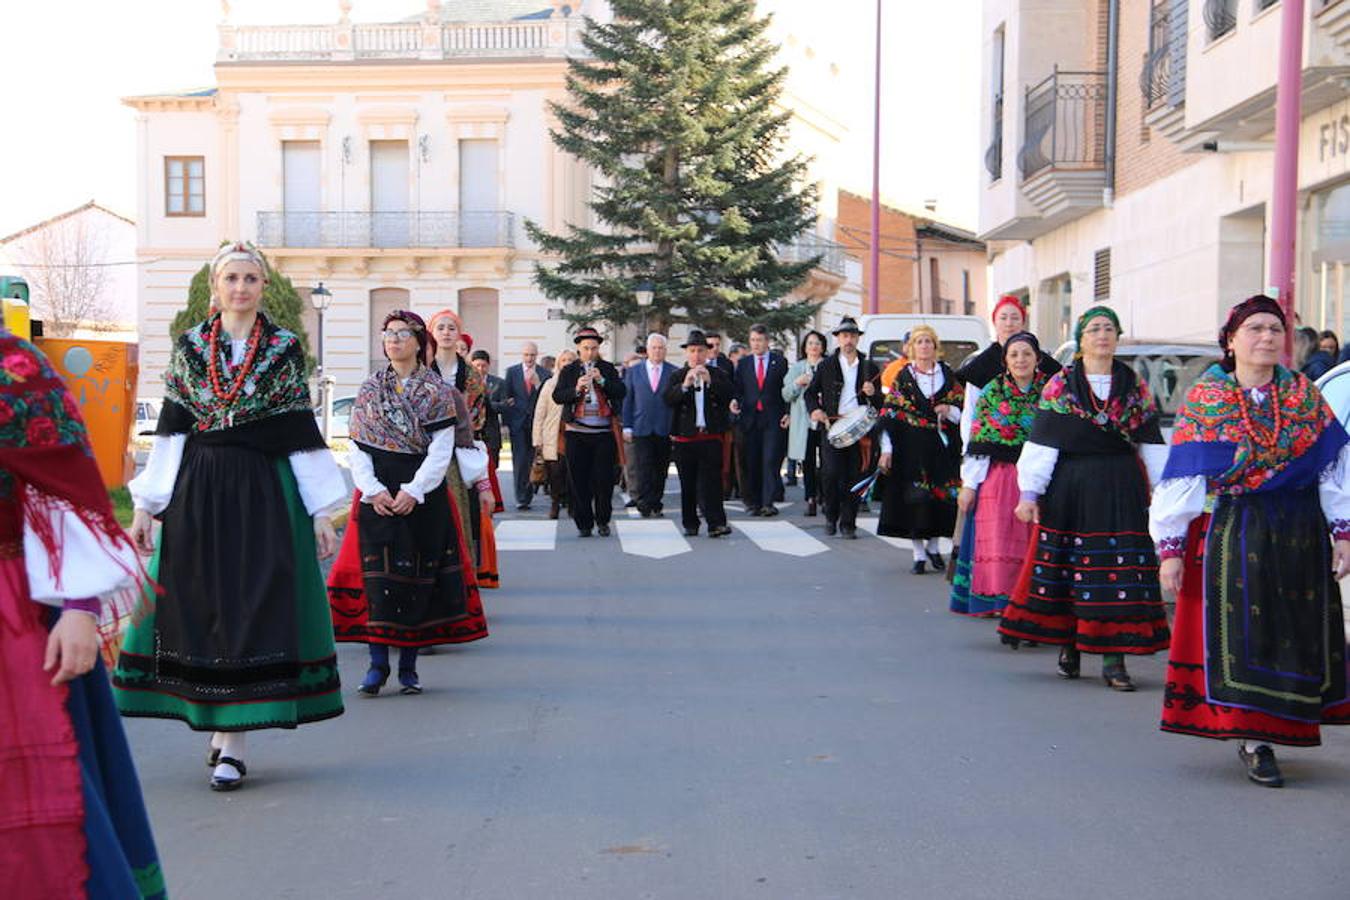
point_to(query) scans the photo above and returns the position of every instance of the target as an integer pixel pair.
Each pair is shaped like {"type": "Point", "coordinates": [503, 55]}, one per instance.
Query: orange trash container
{"type": "Point", "coordinates": [102, 377]}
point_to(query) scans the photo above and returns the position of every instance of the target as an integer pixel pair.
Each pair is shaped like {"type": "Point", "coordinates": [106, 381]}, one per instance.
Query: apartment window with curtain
{"type": "Point", "coordinates": [184, 186]}
{"type": "Point", "coordinates": [993, 157]}
{"type": "Point", "coordinates": [1220, 17]}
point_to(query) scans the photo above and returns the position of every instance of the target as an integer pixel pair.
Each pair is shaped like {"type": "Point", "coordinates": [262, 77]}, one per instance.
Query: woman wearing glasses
{"type": "Point", "coordinates": [401, 579]}
{"type": "Point", "coordinates": [1092, 583]}
{"type": "Point", "coordinates": [1259, 653]}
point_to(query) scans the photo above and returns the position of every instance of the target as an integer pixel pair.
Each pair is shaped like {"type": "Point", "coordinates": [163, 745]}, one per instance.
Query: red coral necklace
{"type": "Point", "coordinates": [1259, 435]}
{"type": "Point", "coordinates": [213, 363]}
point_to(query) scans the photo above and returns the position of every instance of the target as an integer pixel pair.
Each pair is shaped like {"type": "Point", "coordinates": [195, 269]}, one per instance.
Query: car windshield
{"type": "Point", "coordinates": [887, 351]}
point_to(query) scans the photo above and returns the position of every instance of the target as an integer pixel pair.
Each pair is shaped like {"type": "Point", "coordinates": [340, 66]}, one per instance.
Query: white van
{"type": "Point", "coordinates": [883, 338]}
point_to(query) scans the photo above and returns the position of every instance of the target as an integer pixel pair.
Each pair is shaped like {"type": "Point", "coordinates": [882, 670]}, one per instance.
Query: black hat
{"type": "Point", "coordinates": [641, 349]}
{"type": "Point", "coordinates": [587, 333]}
{"type": "Point", "coordinates": [847, 324]}
{"type": "Point", "coordinates": [711, 334]}
{"type": "Point", "coordinates": [696, 339]}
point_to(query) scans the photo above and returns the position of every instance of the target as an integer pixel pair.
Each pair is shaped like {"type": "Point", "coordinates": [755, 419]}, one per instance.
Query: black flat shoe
{"type": "Point", "coordinates": [1261, 766]}
{"type": "Point", "coordinates": [831, 528]}
{"type": "Point", "coordinates": [919, 567]}
{"type": "Point", "coordinates": [583, 532]}
{"type": "Point", "coordinates": [229, 784]}
{"type": "Point", "coordinates": [213, 758]}
{"type": "Point", "coordinates": [1011, 642]}
{"type": "Point", "coordinates": [692, 532]}
{"type": "Point", "coordinates": [602, 530]}
{"type": "Point", "coordinates": [408, 683]}
{"type": "Point", "coordinates": [719, 531]}
{"type": "Point", "coordinates": [938, 562]}
{"type": "Point", "coordinates": [1117, 679]}
{"type": "Point", "coordinates": [1069, 662]}
{"type": "Point", "coordinates": [810, 508]}
{"type": "Point", "coordinates": [849, 533]}
{"type": "Point", "coordinates": [768, 511]}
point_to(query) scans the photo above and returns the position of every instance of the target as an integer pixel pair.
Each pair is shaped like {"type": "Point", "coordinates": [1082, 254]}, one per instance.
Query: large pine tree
{"type": "Point", "coordinates": [676, 110]}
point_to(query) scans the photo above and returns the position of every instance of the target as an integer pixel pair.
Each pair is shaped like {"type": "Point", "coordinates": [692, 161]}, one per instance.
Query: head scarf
{"type": "Point", "coordinates": [916, 332]}
{"type": "Point", "coordinates": [1009, 300]}
{"type": "Point", "coordinates": [1024, 337]}
{"type": "Point", "coordinates": [1241, 313]}
{"type": "Point", "coordinates": [426, 343]}
{"type": "Point", "coordinates": [1093, 313]}
{"type": "Point", "coordinates": [459, 323]}
{"type": "Point", "coordinates": [466, 338]}
{"type": "Point", "coordinates": [237, 251]}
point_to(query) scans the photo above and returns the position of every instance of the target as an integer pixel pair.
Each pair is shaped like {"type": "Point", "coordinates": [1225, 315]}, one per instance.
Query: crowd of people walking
{"type": "Point", "coordinates": [1070, 518]}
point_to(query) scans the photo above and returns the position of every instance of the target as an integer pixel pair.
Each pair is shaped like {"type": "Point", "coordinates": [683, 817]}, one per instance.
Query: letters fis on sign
{"type": "Point", "coordinates": [1334, 138]}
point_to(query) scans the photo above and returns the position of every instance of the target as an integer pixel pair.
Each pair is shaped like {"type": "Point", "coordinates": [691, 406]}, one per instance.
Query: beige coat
{"type": "Point", "coordinates": [547, 421]}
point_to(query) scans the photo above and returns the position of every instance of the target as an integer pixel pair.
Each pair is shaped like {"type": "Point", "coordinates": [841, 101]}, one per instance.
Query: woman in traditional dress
{"type": "Point", "coordinates": [1259, 654]}
{"type": "Point", "coordinates": [804, 436]}
{"type": "Point", "coordinates": [403, 578]}
{"type": "Point", "coordinates": [243, 483]}
{"type": "Point", "coordinates": [998, 539]}
{"type": "Point", "coordinates": [548, 437]}
{"type": "Point", "coordinates": [921, 451]}
{"type": "Point", "coordinates": [72, 821]}
{"type": "Point", "coordinates": [454, 369]}
{"type": "Point", "coordinates": [1091, 584]}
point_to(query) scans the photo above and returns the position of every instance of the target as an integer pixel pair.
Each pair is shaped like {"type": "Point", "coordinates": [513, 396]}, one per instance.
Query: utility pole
{"type": "Point", "coordinates": [874, 284]}
{"type": "Point", "coordinates": [1284, 210]}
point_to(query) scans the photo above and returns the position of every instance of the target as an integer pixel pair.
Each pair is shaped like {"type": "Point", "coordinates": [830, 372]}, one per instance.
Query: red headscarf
{"type": "Point", "coordinates": [467, 338]}
{"type": "Point", "coordinates": [1009, 300]}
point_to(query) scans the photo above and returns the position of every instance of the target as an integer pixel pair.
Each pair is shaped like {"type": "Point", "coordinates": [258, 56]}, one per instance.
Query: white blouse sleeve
{"type": "Point", "coordinates": [886, 442]}
{"type": "Point", "coordinates": [974, 470]}
{"type": "Point", "coordinates": [321, 484]}
{"type": "Point", "coordinates": [954, 416]}
{"type": "Point", "coordinates": [153, 488]}
{"type": "Point", "coordinates": [968, 412]}
{"type": "Point", "coordinates": [1035, 468]}
{"type": "Point", "coordinates": [432, 470]}
{"type": "Point", "coordinates": [89, 566]}
{"type": "Point", "coordinates": [1154, 457]}
{"type": "Point", "coordinates": [473, 463]}
{"type": "Point", "coordinates": [1176, 501]}
{"type": "Point", "coordinates": [363, 474]}
{"type": "Point", "coordinates": [1334, 492]}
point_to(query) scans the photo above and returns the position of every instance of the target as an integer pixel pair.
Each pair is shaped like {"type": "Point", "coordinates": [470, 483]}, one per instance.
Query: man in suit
{"type": "Point", "coordinates": [699, 397]}
{"type": "Point", "coordinates": [764, 419]}
{"type": "Point", "coordinates": [646, 422]}
{"type": "Point", "coordinates": [844, 381]}
{"type": "Point", "coordinates": [494, 396]}
{"type": "Point", "coordinates": [590, 392]}
{"type": "Point", "coordinates": [523, 381]}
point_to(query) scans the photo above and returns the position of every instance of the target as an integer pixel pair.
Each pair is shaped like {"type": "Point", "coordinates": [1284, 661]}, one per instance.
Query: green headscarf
{"type": "Point", "coordinates": [1088, 316]}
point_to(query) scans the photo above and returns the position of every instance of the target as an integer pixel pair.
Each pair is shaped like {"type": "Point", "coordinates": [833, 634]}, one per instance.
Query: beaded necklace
{"type": "Point", "coordinates": [213, 361]}
{"type": "Point", "coordinates": [1259, 436]}
{"type": "Point", "coordinates": [1101, 417]}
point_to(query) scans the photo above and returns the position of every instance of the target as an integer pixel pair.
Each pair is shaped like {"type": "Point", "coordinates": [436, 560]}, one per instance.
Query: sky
{"type": "Point", "coordinates": [68, 139]}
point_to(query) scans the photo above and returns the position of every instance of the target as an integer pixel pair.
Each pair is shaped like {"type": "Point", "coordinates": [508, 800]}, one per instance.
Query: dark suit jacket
{"type": "Point", "coordinates": [720, 361]}
{"type": "Point", "coordinates": [565, 391]}
{"type": "Point", "coordinates": [644, 411]}
{"type": "Point", "coordinates": [496, 405]}
{"type": "Point", "coordinates": [519, 416]}
{"type": "Point", "coordinates": [717, 397]}
{"type": "Point", "coordinates": [827, 385]}
{"type": "Point", "coordinates": [749, 395]}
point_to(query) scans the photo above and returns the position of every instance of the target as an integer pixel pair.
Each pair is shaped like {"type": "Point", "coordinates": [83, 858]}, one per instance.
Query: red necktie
{"type": "Point", "coordinates": [529, 380]}
{"type": "Point", "coordinates": [759, 376]}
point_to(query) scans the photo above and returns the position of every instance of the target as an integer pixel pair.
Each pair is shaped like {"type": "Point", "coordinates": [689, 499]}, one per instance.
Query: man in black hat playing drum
{"type": "Point", "coordinates": [844, 381]}
{"type": "Point", "coordinates": [590, 392]}
{"type": "Point", "coordinates": [700, 395]}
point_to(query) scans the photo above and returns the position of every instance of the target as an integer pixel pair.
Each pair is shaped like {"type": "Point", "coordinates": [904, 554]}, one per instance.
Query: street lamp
{"type": "Point", "coordinates": [320, 297]}
{"type": "Point", "coordinates": [645, 293]}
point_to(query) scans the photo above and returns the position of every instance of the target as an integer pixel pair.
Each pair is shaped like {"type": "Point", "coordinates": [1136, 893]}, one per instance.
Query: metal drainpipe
{"type": "Point", "coordinates": [1112, 55]}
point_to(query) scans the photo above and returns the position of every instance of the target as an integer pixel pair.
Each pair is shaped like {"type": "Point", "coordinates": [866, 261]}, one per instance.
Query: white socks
{"type": "Point", "coordinates": [922, 552]}
{"type": "Point", "coordinates": [934, 546]}
{"type": "Point", "coordinates": [231, 744]}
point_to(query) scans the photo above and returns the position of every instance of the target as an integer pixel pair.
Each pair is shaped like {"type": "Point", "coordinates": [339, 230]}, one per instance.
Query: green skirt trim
{"type": "Point", "coordinates": [318, 694]}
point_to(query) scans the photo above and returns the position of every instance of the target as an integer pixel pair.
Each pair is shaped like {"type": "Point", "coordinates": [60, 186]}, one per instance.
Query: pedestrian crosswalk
{"type": "Point", "coordinates": [662, 537]}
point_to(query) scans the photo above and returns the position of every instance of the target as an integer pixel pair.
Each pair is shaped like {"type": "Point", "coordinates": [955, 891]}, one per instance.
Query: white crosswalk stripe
{"type": "Point", "coordinates": [652, 538]}
{"type": "Point", "coordinates": [526, 534]}
{"type": "Point", "coordinates": [779, 537]}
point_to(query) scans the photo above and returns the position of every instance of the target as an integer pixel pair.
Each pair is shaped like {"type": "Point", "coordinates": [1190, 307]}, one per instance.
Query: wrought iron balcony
{"type": "Point", "coordinates": [1155, 79]}
{"type": "Point", "coordinates": [386, 230]}
{"type": "Point", "coordinates": [993, 157]}
{"type": "Point", "coordinates": [808, 245]}
{"type": "Point", "coordinates": [1065, 123]}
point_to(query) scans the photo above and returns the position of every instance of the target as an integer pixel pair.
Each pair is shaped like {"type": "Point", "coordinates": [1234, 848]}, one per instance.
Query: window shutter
{"type": "Point", "coordinates": [1101, 275]}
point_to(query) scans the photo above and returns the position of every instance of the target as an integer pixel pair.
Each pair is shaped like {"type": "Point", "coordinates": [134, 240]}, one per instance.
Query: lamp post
{"type": "Point", "coordinates": [319, 298]}
{"type": "Point", "coordinates": [644, 294]}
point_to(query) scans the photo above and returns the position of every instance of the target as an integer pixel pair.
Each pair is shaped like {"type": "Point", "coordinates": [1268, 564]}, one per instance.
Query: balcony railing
{"type": "Point", "coordinates": [401, 40]}
{"type": "Point", "coordinates": [386, 230]}
{"type": "Point", "coordinates": [993, 157]}
{"type": "Point", "coordinates": [1065, 123]}
{"type": "Point", "coordinates": [805, 246]}
{"type": "Point", "coordinates": [1155, 80]}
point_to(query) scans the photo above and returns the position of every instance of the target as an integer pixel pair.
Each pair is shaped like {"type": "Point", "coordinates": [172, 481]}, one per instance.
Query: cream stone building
{"type": "Point", "coordinates": [1168, 222]}
{"type": "Point", "coordinates": [395, 163]}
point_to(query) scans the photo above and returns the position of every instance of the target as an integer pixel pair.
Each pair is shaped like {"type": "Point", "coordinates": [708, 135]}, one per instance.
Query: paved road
{"type": "Point", "coordinates": [731, 721]}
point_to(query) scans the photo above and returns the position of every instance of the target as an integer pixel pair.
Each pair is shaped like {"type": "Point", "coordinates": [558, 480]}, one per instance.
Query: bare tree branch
{"type": "Point", "coordinates": [61, 263]}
